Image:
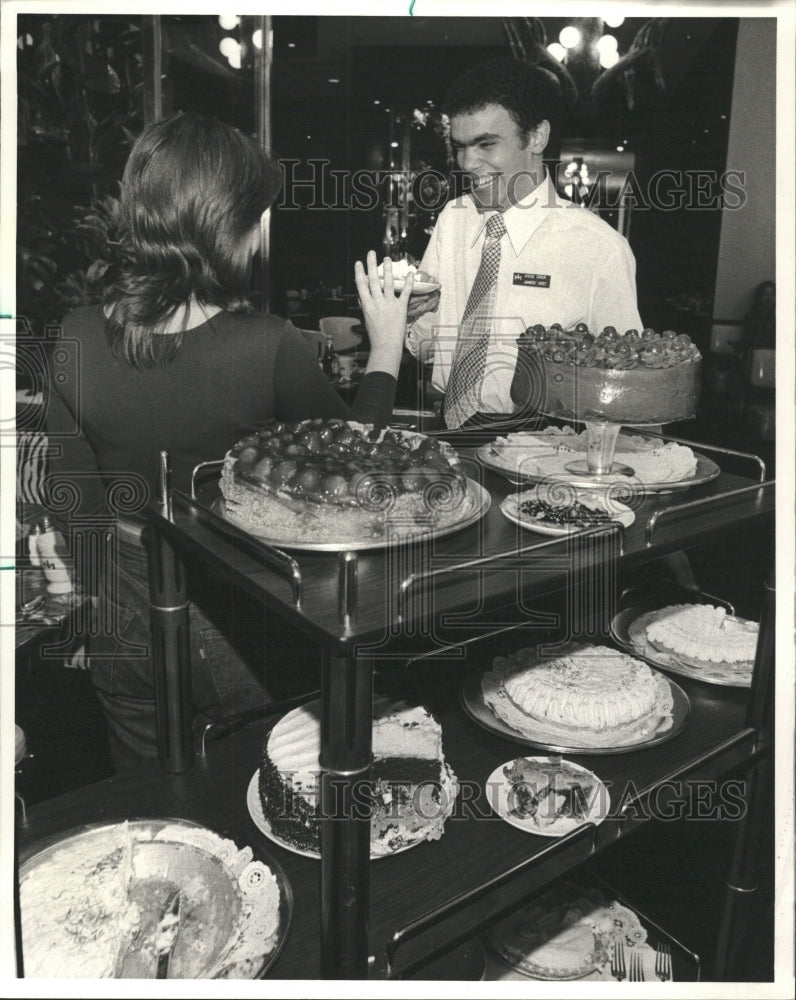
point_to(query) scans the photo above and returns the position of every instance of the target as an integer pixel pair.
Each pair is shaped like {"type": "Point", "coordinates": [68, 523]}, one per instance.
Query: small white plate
{"type": "Point", "coordinates": [419, 287]}
{"type": "Point", "coordinates": [498, 791]}
{"type": "Point", "coordinates": [510, 507]}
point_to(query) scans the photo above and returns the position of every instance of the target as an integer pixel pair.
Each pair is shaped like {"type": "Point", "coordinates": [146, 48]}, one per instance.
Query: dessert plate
{"type": "Point", "coordinates": [472, 700]}
{"type": "Point", "coordinates": [628, 630]}
{"type": "Point", "coordinates": [234, 911]}
{"type": "Point", "coordinates": [255, 808]}
{"type": "Point", "coordinates": [615, 511]}
{"type": "Point", "coordinates": [419, 287]}
{"type": "Point", "coordinates": [503, 800]}
{"type": "Point", "coordinates": [706, 471]}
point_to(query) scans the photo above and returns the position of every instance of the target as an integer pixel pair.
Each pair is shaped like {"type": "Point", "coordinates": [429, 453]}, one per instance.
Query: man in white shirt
{"type": "Point", "coordinates": [558, 262]}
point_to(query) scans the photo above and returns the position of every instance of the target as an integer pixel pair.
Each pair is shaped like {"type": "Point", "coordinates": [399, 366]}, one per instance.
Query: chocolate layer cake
{"type": "Point", "coordinates": [413, 787]}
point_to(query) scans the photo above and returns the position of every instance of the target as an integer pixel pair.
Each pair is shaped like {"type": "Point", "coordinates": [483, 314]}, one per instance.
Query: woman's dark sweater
{"type": "Point", "coordinates": [107, 422]}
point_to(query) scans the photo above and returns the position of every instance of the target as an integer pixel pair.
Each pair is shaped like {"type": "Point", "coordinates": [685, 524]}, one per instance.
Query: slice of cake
{"type": "Point", "coordinates": [546, 791]}
{"type": "Point", "coordinates": [413, 787]}
{"type": "Point", "coordinates": [583, 696]}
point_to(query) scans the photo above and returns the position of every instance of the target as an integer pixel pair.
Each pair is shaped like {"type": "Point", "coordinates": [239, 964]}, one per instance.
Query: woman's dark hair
{"type": "Point", "coordinates": [529, 93]}
{"type": "Point", "coordinates": [758, 294]}
{"type": "Point", "coordinates": [193, 190]}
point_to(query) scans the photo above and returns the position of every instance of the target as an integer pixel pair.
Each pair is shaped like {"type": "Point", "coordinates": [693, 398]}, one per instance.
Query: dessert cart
{"type": "Point", "coordinates": [452, 601]}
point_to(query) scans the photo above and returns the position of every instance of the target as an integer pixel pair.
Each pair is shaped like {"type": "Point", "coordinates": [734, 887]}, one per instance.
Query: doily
{"type": "Point", "coordinates": [255, 934]}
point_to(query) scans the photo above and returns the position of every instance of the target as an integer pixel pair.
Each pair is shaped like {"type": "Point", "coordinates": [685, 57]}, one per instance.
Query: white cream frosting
{"type": "Point", "coordinates": [549, 453]}
{"type": "Point", "coordinates": [704, 632]}
{"type": "Point", "coordinates": [294, 744]}
{"type": "Point", "coordinates": [597, 689]}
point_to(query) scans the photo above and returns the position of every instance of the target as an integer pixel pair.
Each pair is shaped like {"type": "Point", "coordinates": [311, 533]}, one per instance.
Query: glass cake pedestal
{"type": "Point", "coordinates": [599, 464]}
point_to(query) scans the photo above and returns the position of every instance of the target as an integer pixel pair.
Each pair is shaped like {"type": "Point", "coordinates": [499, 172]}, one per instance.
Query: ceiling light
{"type": "Point", "coordinates": [556, 51]}
{"type": "Point", "coordinates": [607, 43]}
{"type": "Point", "coordinates": [620, 149]}
{"type": "Point", "coordinates": [229, 21]}
{"type": "Point", "coordinates": [234, 58]}
{"type": "Point", "coordinates": [377, 102]}
{"type": "Point", "coordinates": [334, 79]}
{"type": "Point", "coordinates": [394, 145]}
{"type": "Point", "coordinates": [227, 46]}
{"type": "Point", "coordinates": [257, 38]}
{"type": "Point", "coordinates": [614, 22]}
{"type": "Point", "coordinates": [609, 58]}
{"type": "Point", "coordinates": [569, 36]}
{"type": "Point", "coordinates": [291, 45]}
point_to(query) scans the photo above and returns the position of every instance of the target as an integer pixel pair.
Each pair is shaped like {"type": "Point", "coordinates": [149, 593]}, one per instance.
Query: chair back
{"type": "Point", "coordinates": [315, 339]}
{"type": "Point", "coordinates": [762, 368]}
{"type": "Point", "coordinates": [339, 329]}
{"type": "Point", "coordinates": [724, 335]}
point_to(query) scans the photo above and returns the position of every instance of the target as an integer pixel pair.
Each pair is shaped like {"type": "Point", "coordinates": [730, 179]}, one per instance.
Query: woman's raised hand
{"type": "Point", "coordinates": [384, 313]}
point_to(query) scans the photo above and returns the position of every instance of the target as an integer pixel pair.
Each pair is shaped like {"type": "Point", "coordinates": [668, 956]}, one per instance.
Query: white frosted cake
{"type": "Point", "coordinates": [705, 633]}
{"type": "Point", "coordinates": [715, 645]}
{"type": "Point", "coordinates": [589, 695]}
{"type": "Point", "coordinates": [76, 911]}
{"type": "Point", "coordinates": [414, 788]}
{"type": "Point", "coordinates": [549, 452]}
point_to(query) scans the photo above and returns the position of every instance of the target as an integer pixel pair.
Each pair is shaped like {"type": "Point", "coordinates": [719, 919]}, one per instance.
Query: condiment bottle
{"type": "Point", "coordinates": [42, 539]}
{"type": "Point", "coordinates": [329, 363]}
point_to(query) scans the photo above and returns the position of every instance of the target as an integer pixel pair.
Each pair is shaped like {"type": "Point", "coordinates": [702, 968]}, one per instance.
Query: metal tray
{"type": "Point", "coordinates": [706, 471]}
{"type": "Point", "coordinates": [481, 503]}
{"type": "Point", "coordinates": [473, 703]}
{"type": "Point", "coordinates": [212, 896]}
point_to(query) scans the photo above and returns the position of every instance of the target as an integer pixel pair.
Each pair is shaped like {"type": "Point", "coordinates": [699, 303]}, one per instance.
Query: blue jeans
{"type": "Point", "coordinates": [228, 657]}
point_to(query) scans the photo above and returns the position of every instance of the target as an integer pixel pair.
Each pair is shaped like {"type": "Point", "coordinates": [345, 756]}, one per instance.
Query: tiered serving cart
{"type": "Point", "coordinates": [443, 605]}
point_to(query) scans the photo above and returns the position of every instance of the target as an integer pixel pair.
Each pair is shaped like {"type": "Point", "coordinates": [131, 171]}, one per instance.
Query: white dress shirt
{"type": "Point", "coordinates": [560, 263]}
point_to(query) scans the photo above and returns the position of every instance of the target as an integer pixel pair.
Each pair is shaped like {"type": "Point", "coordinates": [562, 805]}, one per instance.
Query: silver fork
{"type": "Point", "coordinates": [663, 961]}
{"type": "Point", "coordinates": [618, 961]}
{"type": "Point", "coordinates": [636, 968]}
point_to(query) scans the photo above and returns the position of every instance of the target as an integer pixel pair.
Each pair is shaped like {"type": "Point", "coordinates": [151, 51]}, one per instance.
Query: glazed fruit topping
{"type": "Point", "coordinates": [609, 348]}
{"type": "Point", "coordinates": [329, 461]}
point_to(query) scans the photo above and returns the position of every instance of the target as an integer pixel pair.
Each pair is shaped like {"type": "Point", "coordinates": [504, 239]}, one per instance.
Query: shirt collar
{"type": "Point", "coordinates": [523, 219]}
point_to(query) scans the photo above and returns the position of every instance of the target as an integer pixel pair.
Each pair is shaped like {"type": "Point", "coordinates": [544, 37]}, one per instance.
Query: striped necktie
{"type": "Point", "coordinates": [463, 391]}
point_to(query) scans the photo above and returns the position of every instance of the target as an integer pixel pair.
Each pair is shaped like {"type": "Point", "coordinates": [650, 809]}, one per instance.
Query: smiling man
{"type": "Point", "coordinates": [510, 253]}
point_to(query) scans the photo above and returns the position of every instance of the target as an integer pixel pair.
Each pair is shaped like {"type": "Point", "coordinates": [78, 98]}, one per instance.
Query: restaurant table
{"type": "Point", "coordinates": [414, 604]}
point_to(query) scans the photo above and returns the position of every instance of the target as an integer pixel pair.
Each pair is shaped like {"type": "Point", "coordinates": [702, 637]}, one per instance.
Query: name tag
{"type": "Point", "coordinates": [532, 280]}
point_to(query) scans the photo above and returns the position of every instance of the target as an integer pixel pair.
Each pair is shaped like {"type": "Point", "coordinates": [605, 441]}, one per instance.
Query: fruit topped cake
{"type": "Point", "coordinates": [331, 480]}
{"type": "Point", "coordinates": [584, 695]}
{"type": "Point", "coordinates": [628, 378]}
